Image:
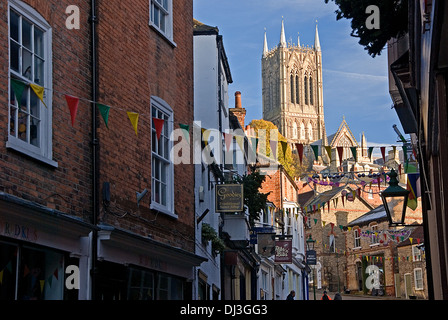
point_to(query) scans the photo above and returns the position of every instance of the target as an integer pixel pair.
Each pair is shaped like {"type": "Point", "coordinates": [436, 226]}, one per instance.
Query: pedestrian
{"type": "Point", "coordinates": [337, 296]}
{"type": "Point", "coordinates": [325, 296]}
{"type": "Point", "coordinates": [291, 295]}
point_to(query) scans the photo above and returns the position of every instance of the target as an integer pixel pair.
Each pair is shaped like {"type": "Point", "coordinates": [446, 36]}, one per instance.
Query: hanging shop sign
{"type": "Point", "coordinates": [229, 198]}
{"type": "Point", "coordinates": [283, 251]}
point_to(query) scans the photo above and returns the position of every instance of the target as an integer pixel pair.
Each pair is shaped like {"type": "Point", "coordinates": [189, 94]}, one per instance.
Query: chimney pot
{"type": "Point", "coordinates": [238, 99]}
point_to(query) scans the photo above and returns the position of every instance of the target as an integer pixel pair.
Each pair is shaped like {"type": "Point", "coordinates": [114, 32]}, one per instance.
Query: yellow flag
{"type": "Point", "coordinates": [328, 148]}
{"type": "Point", "coordinates": [205, 135]}
{"type": "Point", "coordinates": [39, 91]}
{"type": "Point", "coordinates": [42, 283]}
{"type": "Point", "coordinates": [133, 116]}
{"type": "Point", "coordinates": [410, 239]}
{"type": "Point", "coordinates": [240, 141]}
{"type": "Point", "coordinates": [1, 277]}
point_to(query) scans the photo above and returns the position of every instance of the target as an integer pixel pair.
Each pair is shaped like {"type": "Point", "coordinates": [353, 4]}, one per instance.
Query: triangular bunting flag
{"type": "Point", "coordinates": [228, 138]}
{"type": "Point", "coordinates": [185, 130]}
{"type": "Point", "coordinates": [284, 147]}
{"type": "Point", "coordinates": [299, 147]}
{"type": "Point", "coordinates": [370, 152]}
{"type": "Point", "coordinates": [39, 91]}
{"type": "Point", "coordinates": [133, 116]}
{"type": "Point", "coordinates": [72, 103]}
{"type": "Point", "coordinates": [340, 153]}
{"type": "Point", "coordinates": [104, 111]}
{"type": "Point", "coordinates": [383, 153]}
{"type": "Point", "coordinates": [355, 153]}
{"type": "Point", "coordinates": [205, 135]}
{"type": "Point", "coordinates": [240, 141]}
{"type": "Point", "coordinates": [273, 145]}
{"type": "Point", "coordinates": [18, 87]}
{"type": "Point", "coordinates": [316, 151]}
{"type": "Point", "coordinates": [328, 148]}
{"type": "Point", "coordinates": [158, 125]}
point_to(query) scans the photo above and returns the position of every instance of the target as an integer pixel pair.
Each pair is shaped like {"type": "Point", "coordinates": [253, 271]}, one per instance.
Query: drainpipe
{"type": "Point", "coordinates": [95, 211]}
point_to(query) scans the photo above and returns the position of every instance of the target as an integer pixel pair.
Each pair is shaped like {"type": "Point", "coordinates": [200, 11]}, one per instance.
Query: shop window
{"type": "Point", "coordinates": [31, 273]}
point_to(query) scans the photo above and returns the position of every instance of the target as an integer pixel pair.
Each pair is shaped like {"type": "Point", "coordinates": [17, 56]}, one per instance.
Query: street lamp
{"type": "Point", "coordinates": [310, 243]}
{"type": "Point", "coordinates": [311, 259]}
{"type": "Point", "coordinates": [395, 200]}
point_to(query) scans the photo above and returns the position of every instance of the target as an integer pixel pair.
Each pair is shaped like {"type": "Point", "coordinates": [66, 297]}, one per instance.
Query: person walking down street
{"type": "Point", "coordinates": [337, 296]}
{"type": "Point", "coordinates": [325, 296]}
{"type": "Point", "coordinates": [291, 295]}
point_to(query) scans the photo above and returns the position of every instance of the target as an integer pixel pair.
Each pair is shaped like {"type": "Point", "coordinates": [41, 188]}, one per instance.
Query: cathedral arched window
{"type": "Point", "coordinates": [302, 131]}
{"type": "Point", "coordinates": [310, 131]}
{"type": "Point", "coordinates": [294, 130]}
{"type": "Point", "coordinates": [292, 88]}
{"type": "Point", "coordinates": [297, 89]}
{"type": "Point", "coordinates": [311, 91]}
{"type": "Point", "coordinates": [306, 89]}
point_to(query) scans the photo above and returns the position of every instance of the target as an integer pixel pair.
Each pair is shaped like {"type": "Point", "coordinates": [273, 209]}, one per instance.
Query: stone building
{"type": "Point", "coordinates": [292, 89]}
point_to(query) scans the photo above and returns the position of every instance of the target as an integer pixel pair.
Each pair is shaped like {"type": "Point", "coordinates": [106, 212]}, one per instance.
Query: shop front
{"type": "Point", "coordinates": [132, 267]}
{"type": "Point", "coordinates": [40, 249]}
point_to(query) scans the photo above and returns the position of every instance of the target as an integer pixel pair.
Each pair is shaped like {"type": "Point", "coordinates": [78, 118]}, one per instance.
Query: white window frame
{"type": "Point", "coordinates": [416, 253]}
{"type": "Point", "coordinates": [374, 239]}
{"type": "Point", "coordinates": [357, 238]}
{"type": "Point", "coordinates": [418, 279]}
{"type": "Point", "coordinates": [43, 152]}
{"type": "Point", "coordinates": [168, 209]}
{"type": "Point", "coordinates": [168, 14]}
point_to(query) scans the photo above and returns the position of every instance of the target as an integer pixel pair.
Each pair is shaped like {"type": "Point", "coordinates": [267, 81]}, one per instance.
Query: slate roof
{"type": "Point", "coordinates": [377, 214]}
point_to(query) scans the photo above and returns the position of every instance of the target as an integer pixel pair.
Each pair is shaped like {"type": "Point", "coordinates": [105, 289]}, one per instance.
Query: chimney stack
{"type": "Point", "coordinates": [239, 112]}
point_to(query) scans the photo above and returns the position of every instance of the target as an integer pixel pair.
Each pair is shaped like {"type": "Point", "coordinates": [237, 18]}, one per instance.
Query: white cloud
{"type": "Point", "coordinates": [355, 75]}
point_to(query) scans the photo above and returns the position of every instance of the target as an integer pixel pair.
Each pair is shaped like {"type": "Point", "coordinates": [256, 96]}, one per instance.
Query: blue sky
{"type": "Point", "coordinates": [355, 84]}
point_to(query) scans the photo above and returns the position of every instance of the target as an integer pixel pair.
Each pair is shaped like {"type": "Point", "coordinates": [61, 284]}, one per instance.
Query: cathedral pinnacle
{"type": "Point", "coordinates": [282, 36]}
{"type": "Point", "coordinates": [316, 40]}
{"type": "Point", "coordinates": [265, 46]}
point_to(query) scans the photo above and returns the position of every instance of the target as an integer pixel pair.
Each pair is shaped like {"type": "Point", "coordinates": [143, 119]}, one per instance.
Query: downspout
{"type": "Point", "coordinates": [94, 271]}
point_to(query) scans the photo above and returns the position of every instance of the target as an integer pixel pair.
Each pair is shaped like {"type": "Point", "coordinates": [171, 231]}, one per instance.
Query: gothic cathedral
{"type": "Point", "coordinates": [292, 90]}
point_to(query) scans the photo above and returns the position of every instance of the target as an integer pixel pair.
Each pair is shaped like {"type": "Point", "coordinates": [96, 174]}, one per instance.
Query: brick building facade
{"type": "Point", "coordinates": [68, 192]}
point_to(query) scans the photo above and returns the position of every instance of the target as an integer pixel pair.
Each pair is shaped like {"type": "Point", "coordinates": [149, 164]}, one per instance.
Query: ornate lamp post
{"type": "Point", "coordinates": [311, 259]}
{"type": "Point", "coordinates": [395, 199]}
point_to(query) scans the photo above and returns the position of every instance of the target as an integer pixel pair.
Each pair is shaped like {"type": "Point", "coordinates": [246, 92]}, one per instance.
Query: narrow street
{"type": "Point", "coordinates": [345, 296]}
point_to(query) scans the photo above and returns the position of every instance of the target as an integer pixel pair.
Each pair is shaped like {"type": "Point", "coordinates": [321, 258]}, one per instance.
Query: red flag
{"type": "Point", "coordinates": [158, 125]}
{"type": "Point", "coordinates": [228, 138]}
{"type": "Point", "coordinates": [299, 147]}
{"type": "Point", "coordinates": [383, 152]}
{"type": "Point", "coordinates": [72, 103]}
{"type": "Point", "coordinates": [340, 152]}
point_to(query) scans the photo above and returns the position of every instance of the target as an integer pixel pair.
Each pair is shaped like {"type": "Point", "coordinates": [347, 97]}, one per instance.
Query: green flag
{"type": "Point", "coordinates": [316, 151]}
{"type": "Point", "coordinates": [185, 127]}
{"type": "Point", "coordinates": [18, 87]}
{"type": "Point", "coordinates": [370, 152]}
{"type": "Point", "coordinates": [104, 111]}
{"type": "Point", "coordinates": [284, 146]}
{"type": "Point", "coordinates": [354, 152]}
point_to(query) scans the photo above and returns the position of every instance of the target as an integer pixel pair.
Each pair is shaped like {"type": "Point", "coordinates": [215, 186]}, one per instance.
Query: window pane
{"type": "Point", "coordinates": [8, 263]}
{"type": "Point", "coordinates": [15, 56]}
{"type": "Point", "coordinates": [14, 26]}
{"type": "Point", "coordinates": [26, 34]}
{"type": "Point", "coordinates": [38, 71]}
{"type": "Point", "coordinates": [156, 16]}
{"type": "Point", "coordinates": [39, 42]}
{"type": "Point", "coordinates": [12, 121]}
{"type": "Point", "coordinates": [26, 63]}
{"type": "Point", "coordinates": [163, 195]}
{"type": "Point", "coordinates": [23, 123]}
{"type": "Point", "coordinates": [162, 22]}
{"type": "Point", "coordinates": [35, 132]}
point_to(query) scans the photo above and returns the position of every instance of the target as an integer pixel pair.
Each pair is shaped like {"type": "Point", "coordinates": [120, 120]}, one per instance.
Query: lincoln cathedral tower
{"type": "Point", "coordinates": [292, 89]}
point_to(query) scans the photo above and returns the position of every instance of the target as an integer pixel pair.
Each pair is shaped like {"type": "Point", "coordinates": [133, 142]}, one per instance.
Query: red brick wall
{"type": "Point", "coordinates": [68, 187]}
{"type": "Point", "coordinates": [135, 64]}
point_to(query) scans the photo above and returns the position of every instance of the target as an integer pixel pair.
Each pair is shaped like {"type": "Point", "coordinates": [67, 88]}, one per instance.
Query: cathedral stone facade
{"type": "Point", "coordinates": [292, 90]}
